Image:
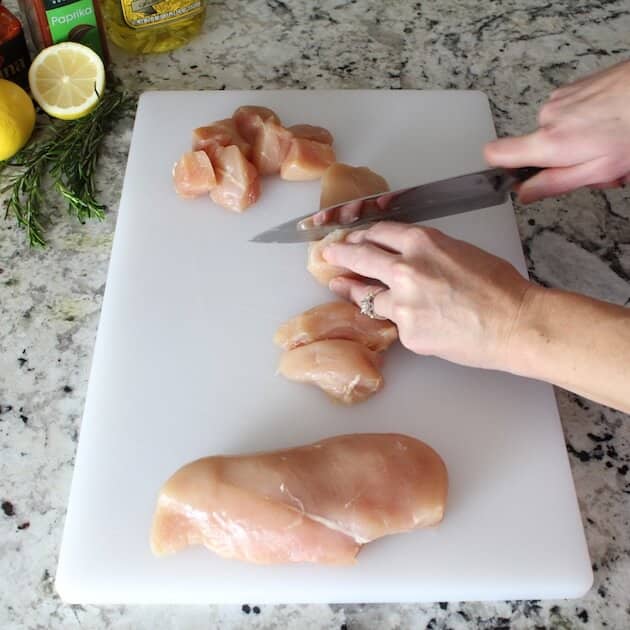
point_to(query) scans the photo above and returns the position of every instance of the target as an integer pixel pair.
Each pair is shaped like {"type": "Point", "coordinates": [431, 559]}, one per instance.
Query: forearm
{"type": "Point", "coordinates": [575, 342]}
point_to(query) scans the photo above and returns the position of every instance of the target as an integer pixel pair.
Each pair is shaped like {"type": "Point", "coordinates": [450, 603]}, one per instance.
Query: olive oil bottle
{"type": "Point", "coordinates": [152, 26]}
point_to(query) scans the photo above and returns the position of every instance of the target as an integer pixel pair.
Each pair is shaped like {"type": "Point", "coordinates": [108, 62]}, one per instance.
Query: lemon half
{"type": "Point", "coordinates": [17, 118]}
{"type": "Point", "coordinates": [67, 80]}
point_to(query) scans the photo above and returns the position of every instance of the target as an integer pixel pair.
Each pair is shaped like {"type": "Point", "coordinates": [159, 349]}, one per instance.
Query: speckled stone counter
{"type": "Point", "coordinates": [516, 52]}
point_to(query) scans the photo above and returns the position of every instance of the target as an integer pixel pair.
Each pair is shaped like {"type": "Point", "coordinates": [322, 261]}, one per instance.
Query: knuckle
{"type": "Point", "coordinates": [361, 251]}
{"type": "Point", "coordinates": [375, 229]}
{"type": "Point", "coordinates": [552, 134]}
{"type": "Point", "coordinates": [421, 237]}
{"type": "Point", "coordinates": [415, 238]}
{"type": "Point", "coordinates": [547, 140]}
{"type": "Point", "coordinates": [403, 274]}
{"type": "Point", "coordinates": [403, 315]}
{"type": "Point", "coordinates": [546, 113]}
{"type": "Point", "coordinates": [433, 235]}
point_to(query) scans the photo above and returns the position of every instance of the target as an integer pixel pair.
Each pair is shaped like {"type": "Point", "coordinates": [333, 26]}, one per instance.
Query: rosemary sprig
{"type": "Point", "coordinates": [25, 198]}
{"type": "Point", "coordinates": [67, 152]}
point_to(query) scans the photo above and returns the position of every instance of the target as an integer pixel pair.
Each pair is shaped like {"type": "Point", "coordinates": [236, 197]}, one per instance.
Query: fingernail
{"type": "Point", "coordinates": [335, 284]}
{"type": "Point", "coordinates": [528, 194]}
{"type": "Point", "coordinates": [528, 198]}
{"type": "Point", "coordinates": [492, 151]}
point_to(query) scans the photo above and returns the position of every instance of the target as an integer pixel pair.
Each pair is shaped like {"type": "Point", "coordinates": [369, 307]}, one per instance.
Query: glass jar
{"type": "Point", "coordinates": [14, 57]}
{"type": "Point", "coordinates": [149, 26]}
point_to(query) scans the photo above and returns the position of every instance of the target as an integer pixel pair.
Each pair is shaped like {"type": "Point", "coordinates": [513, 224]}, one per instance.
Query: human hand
{"type": "Point", "coordinates": [583, 138]}
{"type": "Point", "coordinates": [447, 297]}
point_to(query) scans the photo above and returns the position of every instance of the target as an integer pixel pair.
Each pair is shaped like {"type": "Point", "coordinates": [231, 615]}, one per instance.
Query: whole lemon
{"type": "Point", "coordinates": [17, 118]}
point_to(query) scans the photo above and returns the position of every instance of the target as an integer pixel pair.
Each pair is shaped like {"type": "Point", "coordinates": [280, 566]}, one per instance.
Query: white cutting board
{"type": "Point", "coordinates": [184, 367]}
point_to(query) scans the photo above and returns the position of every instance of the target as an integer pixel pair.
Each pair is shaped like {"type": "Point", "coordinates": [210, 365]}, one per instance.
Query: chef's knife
{"type": "Point", "coordinates": [408, 205]}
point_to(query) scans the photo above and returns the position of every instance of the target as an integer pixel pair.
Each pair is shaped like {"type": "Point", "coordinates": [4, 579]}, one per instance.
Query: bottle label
{"type": "Point", "coordinates": [147, 13]}
{"type": "Point", "coordinates": [14, 61]}
{"type": "Point", "coordinates": [73, 21]}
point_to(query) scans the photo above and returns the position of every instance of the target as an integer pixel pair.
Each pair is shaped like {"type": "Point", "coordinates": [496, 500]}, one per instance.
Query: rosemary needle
{"type": "Point", "coordinates": [67, 152]}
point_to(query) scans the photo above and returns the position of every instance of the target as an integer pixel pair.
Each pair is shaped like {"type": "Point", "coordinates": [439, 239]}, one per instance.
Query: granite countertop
{"type": "Point", "coordinates": [516, 52]}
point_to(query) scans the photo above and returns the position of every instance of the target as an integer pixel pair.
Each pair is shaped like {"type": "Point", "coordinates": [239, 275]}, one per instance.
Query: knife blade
{"type": "Point", "coordinates": [446, 197]}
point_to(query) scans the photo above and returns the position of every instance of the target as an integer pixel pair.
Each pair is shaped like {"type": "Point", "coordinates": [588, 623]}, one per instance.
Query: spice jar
{"type": "Point", "coordinates": [152, 26]}
{"type": "Point", "coordinates": [14, 57]}
{"type": "Point", "coordinates": [53, 21]}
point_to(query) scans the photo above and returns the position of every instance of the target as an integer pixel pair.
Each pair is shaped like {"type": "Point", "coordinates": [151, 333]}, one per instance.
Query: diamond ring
{"type": "Point", "coordinates": [367, 303]}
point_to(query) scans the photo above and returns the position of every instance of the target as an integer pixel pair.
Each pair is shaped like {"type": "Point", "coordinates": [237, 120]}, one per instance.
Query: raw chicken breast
{"type": "Point", "coordinates": [321, 270]}
{"type": "Point", "coordinates": [221, 133]}
{"type": "Point", "coordinates": [306, 160]}
{"type": "Point", "coordinates": [336, 320]}
{"type": "Point", "coordinates": [311, 132]}
{"type": "Point", "coordinates": [341, 182]}
{"type": "Point", "coordinates": [199, 505]}
{"type": "Point", "coordinates": [270, 147]}
{"type": "Point", "coordinates": [238, 184]}
{"type": "Point", "coordinates": [346, 370]}
{"type": "Point", "coordinates": [193, 174]}
{"type": "Point", "coordinates": [250, 118]}
{"type": "Point", "coordinates": [317, 503]}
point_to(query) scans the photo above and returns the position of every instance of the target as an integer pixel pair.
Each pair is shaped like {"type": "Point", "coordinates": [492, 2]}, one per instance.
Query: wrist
{"type": "Point", "coordinates": [530, 334]}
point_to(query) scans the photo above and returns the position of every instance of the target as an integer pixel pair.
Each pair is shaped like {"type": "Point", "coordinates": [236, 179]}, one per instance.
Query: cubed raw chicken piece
{"type": "Point", "coordinates": [306, 160]}
{"type": "Point", "coordinates": [193, 175]}
{"type": "Point", "coordinates": [270, 141]}
{"type": "Point", "coordinates": [340, 183]}
{"type": "Point", "coordinates": [250, 118]}
{"type": "Point", "coordinates": [238, 183]}
{"type": "Point", "coordinates": [311, 132]}
{"type": "Point", "coordinates": [346, 370]}
{"type": "Point", "coordinates": [270, 147]}
{"type": "Point", "coordinates": [221, 133]}
{"type": "Point", "coordinates": [318, 503]}
{"type": "Point", "coordinates": [336, 320]}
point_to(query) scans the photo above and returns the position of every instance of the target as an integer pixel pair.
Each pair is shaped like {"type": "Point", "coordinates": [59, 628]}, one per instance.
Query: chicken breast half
{"type": "Point", "coordinates": [345, 370]}
{"type": "Point", "coordinates": [336, 320]}
{"type": "Point", "coordinates": [317, 503]}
